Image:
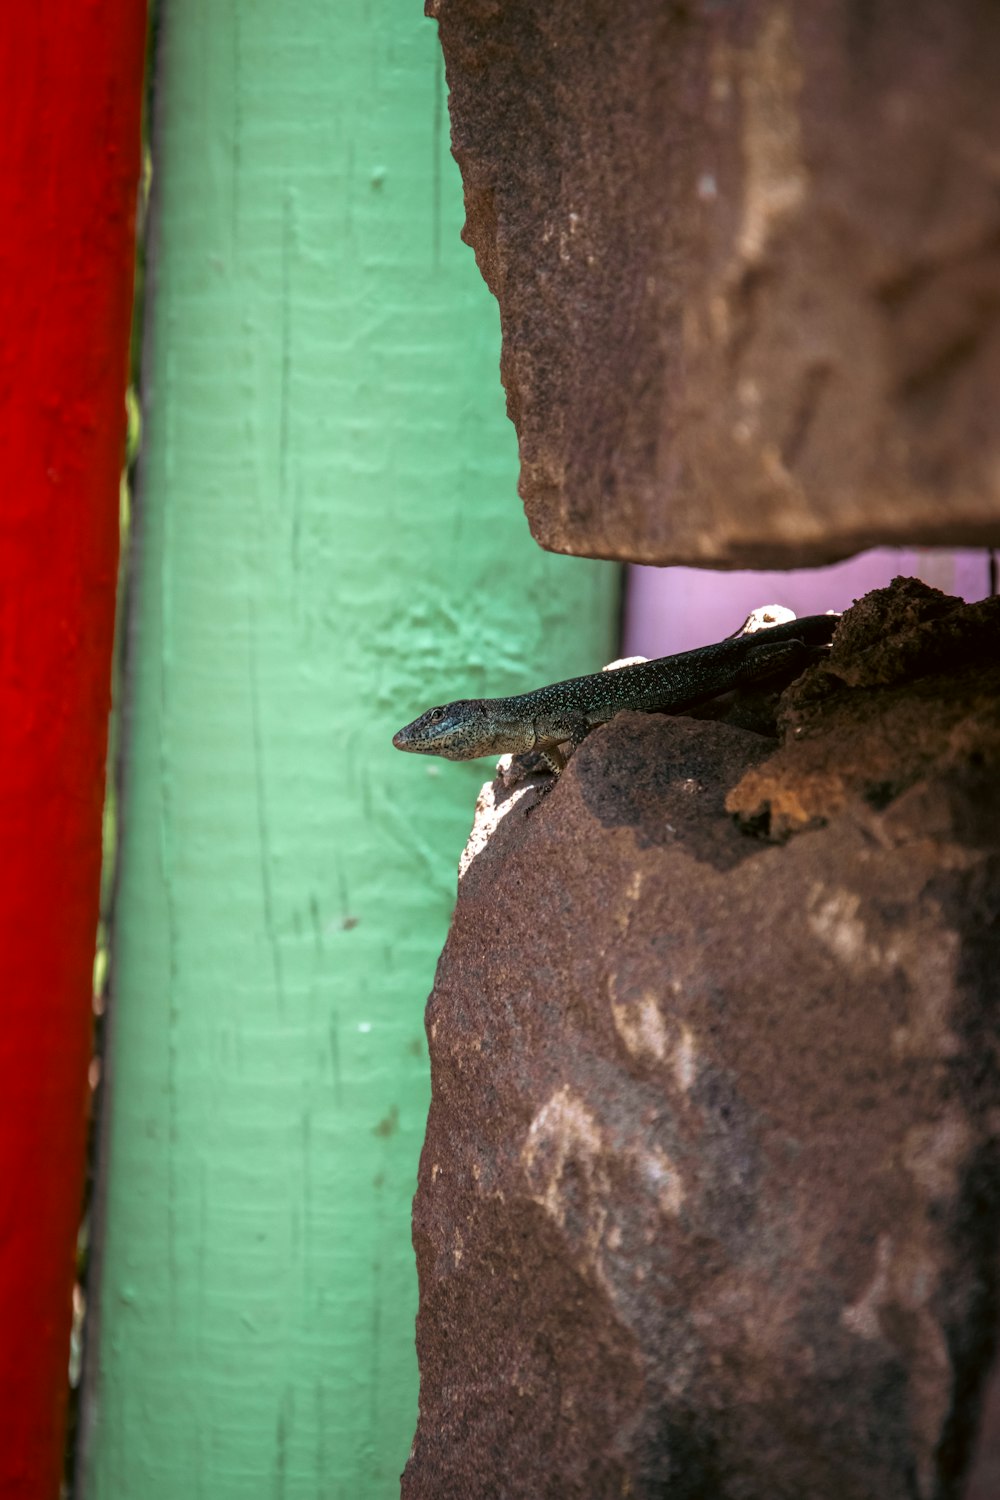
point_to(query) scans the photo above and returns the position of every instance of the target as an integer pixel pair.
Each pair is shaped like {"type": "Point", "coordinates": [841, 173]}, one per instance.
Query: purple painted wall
{"type": "Point", "coordinates": [674, 609]}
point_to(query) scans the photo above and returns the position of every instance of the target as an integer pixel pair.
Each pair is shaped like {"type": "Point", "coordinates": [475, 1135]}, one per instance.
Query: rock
{"type": "Point", "coordinates": [747, 258]}
{"type": "Point", "coordinates": [911, 686]}
{"type": "Point", "coordinates": [708, 1203]}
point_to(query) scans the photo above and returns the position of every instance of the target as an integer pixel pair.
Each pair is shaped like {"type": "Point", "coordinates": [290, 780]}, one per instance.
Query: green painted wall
{"type": "Point", "coordinates": [328, 539]}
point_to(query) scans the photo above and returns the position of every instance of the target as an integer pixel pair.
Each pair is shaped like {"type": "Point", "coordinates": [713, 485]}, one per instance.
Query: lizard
{"type": "Point", "coordinates": [565, 712]}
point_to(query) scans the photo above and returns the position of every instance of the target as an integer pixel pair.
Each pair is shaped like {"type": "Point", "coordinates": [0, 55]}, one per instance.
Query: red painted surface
{"type": "Point", "coordinates": [70, 98]}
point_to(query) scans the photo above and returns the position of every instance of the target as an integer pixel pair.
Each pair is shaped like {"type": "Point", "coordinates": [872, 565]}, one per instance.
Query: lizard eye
{"type": "Point", "coordinates": [436, 714]}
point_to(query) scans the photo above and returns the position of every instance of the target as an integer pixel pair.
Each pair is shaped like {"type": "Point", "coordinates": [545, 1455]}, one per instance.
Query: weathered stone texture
{"type": "Point", "coordinates": [708, 1204]}
{"type": "Point", "coordinates": [747, 257]}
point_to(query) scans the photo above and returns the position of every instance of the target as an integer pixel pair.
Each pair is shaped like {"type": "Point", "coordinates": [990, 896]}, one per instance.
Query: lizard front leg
{"type": "Point", "coordinates": [555, 740]}
{"type": "Point", "coordinates": [571, 730]}
{"type": "Point", "coordinates": [552, 758]}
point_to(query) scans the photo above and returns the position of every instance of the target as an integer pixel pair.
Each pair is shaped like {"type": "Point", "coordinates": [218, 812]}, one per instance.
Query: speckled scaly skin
{"type": "Point", "coordinates": [565, 712]}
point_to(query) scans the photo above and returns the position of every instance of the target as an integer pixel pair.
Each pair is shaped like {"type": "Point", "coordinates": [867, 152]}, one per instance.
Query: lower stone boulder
{"type": "Point", "coordinates": [708, 1204]}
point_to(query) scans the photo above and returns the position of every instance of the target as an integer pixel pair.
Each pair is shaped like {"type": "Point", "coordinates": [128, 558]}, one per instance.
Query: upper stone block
{"type": "Point", "coordinates": [747, 257]}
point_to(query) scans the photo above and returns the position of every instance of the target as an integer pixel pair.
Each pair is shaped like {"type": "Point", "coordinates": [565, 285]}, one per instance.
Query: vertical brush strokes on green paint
{"type": "Point", "coordinates": [328, 539]}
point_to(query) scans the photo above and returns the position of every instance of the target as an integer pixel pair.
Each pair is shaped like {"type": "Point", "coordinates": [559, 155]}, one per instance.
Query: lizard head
{"type": "Point", "coordinates": [458, 731]}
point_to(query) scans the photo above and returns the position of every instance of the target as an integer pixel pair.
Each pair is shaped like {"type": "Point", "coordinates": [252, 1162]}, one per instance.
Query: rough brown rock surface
{"type": "Point", "coordinates": [708, 1204]}
{"type": "Point", "coordinates": [747, 257]}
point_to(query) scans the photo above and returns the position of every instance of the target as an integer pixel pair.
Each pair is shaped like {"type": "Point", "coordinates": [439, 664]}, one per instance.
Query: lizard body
{"type": "Point", "coordinates": [565, 712]}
